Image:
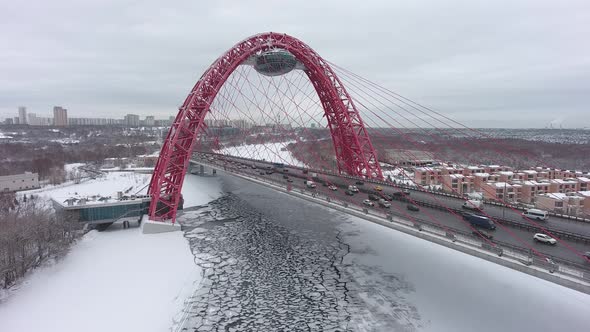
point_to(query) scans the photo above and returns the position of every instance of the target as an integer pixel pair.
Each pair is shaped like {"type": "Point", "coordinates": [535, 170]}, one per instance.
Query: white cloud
{"type": "Point", "coordinates": [115, 57]}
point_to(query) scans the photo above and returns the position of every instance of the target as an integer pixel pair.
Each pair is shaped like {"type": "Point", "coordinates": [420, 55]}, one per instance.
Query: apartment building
{"type": "Point", "coordinates": [570, 203]}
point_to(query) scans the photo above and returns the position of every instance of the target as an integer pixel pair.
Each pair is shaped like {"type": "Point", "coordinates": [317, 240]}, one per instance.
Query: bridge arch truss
{"type": "Point", "coordinates": [353, 149]}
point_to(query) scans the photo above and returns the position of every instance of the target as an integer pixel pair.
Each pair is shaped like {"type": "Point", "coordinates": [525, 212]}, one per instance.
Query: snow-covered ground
{"type": "Point", "coordinates": [117, 280]}
{"type": "Point", "coordinates": [107, 185]}
{"type": "Point", "coordinates": [269, 151]}
{"type": "Point", "coordinates": [73, 167]}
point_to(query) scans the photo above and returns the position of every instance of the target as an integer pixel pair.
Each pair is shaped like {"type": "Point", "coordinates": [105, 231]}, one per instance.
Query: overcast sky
{"type": "Point", "coordinates": [484, 63]}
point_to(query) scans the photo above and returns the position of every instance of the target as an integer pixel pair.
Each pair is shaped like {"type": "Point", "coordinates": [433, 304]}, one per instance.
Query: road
{"type": "Point", "coordinates": [513, 236]}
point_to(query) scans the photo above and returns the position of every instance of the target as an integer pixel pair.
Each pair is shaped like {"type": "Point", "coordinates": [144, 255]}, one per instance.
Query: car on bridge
{"type": "Point", "coordinates": [289, 180]}
{"type": "Point", "coordinates": [412, 207]}
{"type": "Point", "coordinates": [544, 238]}
{"type": "Point", "coordinates": [349, 192]}
{"type": "Point", "coordinates": [332, 187]}
{"type": "Point", "coordinates": [383, 203]}
{"type": "Point", "coordinates": [368, 203]}
{"type": "Point", "coordinates": [379, 188]}
{"type": "Point", "coordinates": [401, 193]}
{"type": "Point", "coordinates": [479, 221]}
{"type": "Point", "coordinates": [285, 176]}
{"type": "Point", "coordinates": [587, 254]}
{"type": "Point", "coordinates": [360, 183]}
{"type": "Point", "coordinates": [354, 189]}
{"type": "Point", "coordinates": [373, 197]}
{"type": "Point", "coordinates": [483, 234]}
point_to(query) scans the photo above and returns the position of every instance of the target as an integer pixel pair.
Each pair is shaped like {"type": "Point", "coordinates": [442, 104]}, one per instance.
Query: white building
{"type": "Point", "coordinates": [19, 182]}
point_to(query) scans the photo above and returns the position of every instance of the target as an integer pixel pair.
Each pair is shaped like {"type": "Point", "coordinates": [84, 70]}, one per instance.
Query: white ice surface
{"type": "Point", "coordinates": [117, 280]}
{"type": "Point", "coordinates": [458, 292]}
{"type": "Point", "coordinates": [268, 151]}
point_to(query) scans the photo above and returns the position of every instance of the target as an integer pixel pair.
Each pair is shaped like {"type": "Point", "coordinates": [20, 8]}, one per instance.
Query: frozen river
{"type": "Point", "coordinates": [274, 262]}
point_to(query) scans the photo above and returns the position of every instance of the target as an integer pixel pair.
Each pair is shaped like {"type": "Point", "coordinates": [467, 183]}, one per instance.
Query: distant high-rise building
{"type": "Point", "coordinates": [132, 120]}
{"type": "Point", "coordinates": [60, 116]}
{"type": "Point", "coordinates": [22, 115]}
{"type": "Point", "coordinates": [16, 120]}
{"type": "Point", "coordinates": [33, 120]}
{"type": "Point", "coordinates": [149, 121]}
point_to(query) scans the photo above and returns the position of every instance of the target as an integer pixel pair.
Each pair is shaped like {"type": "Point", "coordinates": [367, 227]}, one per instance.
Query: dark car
{"type": "Point", "coordinates": [412, 207]}
{"type": "Point", "coordinates": [483, 234]}
{"type": "Point", "coordinates": [289, 180]}
{"type": "Point", "coordinates": [304, 171]}
{"type": "Point", "coordinates": [285, 170]}
{"type": "Point", "coordinates": [360, 183]}
{"type": "Point", "coordinates": [388, 197]}
{"type": "Point", "coordinates": [349, 193]}
{"type": "Point", "coordinates": [262, 173]}
{"type": "Point", "coordinates": [285, 176]}
{"type": "Point", "coordinates": [374, 197]}
{"type": "Point", "coordinates": [398, 194]}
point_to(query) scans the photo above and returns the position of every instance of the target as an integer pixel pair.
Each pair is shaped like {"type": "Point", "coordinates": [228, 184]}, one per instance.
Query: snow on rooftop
{"type": "Point", "coordinates": [564, 181]}
{"type": "Point", "coordinates": [555, 195]}
{"type": "Point", "coordinates": [482, 174]}
{"type": "Point", "coordinates": [500, 184]}
{"type": "Point", "coordinates": [506, 173]}
{"type": "Point", "coordinates": [529, 171]}
{"type": "Point", "coordinates": [535, 183]}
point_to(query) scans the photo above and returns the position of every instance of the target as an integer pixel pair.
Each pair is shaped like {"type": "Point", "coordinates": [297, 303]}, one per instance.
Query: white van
{"type": "Point", "coordinates": [535, 214]}
{"type": "Point", "coordinates": [472, 204]}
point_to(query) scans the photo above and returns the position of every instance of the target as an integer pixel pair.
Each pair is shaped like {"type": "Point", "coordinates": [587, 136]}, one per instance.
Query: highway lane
{"type": "Point", "coordinates": [513, 236]}
{"type": "Point", "coordinates": [572, 226]}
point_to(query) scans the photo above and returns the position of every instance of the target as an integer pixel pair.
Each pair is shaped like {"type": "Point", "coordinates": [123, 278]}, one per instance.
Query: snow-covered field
{"type": "Point", "coordinates": [268, 151]}
{"type": "Point", "coordinates": [107, 185]}
{"type": "Point", "coordinates": [117, 280]}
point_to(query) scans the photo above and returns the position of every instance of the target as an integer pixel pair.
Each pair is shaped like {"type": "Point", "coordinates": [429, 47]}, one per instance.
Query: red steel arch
{"type": "Point", "coordinates": [355, 154]}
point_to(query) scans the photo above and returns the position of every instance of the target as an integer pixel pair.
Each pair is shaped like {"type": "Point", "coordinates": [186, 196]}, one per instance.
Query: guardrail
{"type": "Point", "coordinates": [404, 186]}
{"type": "Point", "coordinates": [550, 264]}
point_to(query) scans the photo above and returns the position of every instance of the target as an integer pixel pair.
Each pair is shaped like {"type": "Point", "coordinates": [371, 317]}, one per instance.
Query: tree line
{"type": "Point", "coordinates": [30, 234]}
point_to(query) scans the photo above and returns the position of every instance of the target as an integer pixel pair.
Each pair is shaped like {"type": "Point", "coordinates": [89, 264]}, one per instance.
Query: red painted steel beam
{"type": "Point", "coordinates": [354, 151]}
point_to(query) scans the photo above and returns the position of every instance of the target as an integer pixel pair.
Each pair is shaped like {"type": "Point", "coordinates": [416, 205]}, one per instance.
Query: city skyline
{"type": "Point", "coordinates": [500, 64]}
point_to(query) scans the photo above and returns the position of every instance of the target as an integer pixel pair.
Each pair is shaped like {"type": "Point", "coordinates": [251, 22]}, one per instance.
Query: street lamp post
{"type": "Point", "coordinates": [504, 205]}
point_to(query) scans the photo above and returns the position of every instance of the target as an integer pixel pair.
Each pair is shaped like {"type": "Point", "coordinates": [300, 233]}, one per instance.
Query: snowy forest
{"type": "Point", "coordinates": [30, 234]}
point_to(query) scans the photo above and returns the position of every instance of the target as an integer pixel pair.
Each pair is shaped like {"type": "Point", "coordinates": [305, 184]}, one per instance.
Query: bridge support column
{"type": "Point", "coordinates": [155, 227]}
